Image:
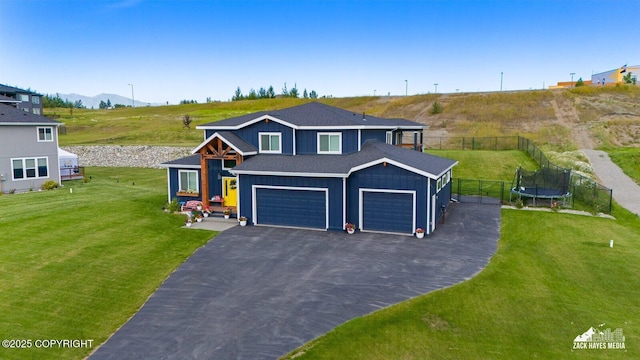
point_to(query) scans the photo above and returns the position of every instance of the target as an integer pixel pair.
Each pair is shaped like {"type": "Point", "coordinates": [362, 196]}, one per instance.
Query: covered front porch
{"type": "Point", "coordinates": [218, 154]}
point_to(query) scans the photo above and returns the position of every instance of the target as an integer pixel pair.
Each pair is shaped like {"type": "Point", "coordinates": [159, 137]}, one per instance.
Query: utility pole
{"type": "Point", "coordinates": [436, 85]}
{"type": "Point", "coordinates": [406, 87]}
{"type": "Point", "coordinates": [572, 78]}
{"type": "Point", "coordinates": [500, 80]}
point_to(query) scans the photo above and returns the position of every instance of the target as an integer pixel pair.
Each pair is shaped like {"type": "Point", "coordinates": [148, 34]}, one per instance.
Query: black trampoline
{"type": "Point", "coordinates": [548, 184]}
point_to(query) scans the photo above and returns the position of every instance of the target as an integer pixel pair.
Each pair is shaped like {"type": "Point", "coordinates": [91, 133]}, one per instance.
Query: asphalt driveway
{"type": "Point", "coordinates": [260, 292]}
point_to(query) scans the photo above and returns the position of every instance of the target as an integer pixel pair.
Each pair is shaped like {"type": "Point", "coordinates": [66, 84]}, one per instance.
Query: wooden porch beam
{"type": "Point", "coordinates": [204, 180]}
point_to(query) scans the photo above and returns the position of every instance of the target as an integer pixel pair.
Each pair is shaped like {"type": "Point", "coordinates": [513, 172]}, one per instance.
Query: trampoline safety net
{"type": "Point", "coordinates": [546, 183]}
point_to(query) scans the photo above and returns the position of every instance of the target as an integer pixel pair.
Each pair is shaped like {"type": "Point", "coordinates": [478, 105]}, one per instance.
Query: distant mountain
{"type": "Point", "coordinates": [94, 101]}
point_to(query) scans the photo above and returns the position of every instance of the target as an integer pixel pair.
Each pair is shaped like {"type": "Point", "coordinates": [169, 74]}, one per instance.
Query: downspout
{"type": "Point", "coordinates": [344, 202]}
{"type": "Point", "coordinates": [428, 206]}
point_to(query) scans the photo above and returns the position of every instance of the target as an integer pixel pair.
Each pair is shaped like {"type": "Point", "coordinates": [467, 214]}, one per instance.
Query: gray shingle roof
{"type": "Point", "coordinates": [9, 114]}
{"type": "Point", "coordinates": [191, 161]}
{"type": "Point", "coordinates": [315, 114]}
{"type": "Point", "coordinates": [343, 165]}
{"type": "Point", "coordinates": [237, 141]}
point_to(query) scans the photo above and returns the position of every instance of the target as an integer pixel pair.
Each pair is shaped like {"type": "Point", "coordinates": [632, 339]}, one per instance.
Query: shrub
{"type": "Point", "coordinates": [49, 185]}
{"type": "Point", "coordinates": [436, 108]}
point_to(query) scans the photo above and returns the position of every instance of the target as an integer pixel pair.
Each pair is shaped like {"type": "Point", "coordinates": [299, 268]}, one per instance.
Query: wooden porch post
{"type": "Point", "coordinates": [204, 180]}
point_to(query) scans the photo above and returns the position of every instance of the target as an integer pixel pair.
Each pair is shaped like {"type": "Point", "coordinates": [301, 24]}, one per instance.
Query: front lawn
{"type": "Point", "coordinates": [552, 278]}
{"type": "Point", "coordinates": [77, 265]}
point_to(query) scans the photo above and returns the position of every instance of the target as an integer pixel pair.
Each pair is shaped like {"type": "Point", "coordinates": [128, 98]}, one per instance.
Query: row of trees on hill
{"type": "Point", "coordinates": [269, 93]}
{"type": "Point", "coordinates": [50, 101]}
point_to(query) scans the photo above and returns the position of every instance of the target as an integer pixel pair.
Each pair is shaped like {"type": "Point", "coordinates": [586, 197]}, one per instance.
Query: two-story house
{"type": "Point", "coordinates": [317, 166]}
{"type": "Point", "coordinates": [24, 100]}
{"type": "Point", "coordinates": [28, 149]}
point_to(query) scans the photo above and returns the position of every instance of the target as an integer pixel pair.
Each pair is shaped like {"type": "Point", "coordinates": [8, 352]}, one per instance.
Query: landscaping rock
{"type": "Point", "coordinates": [127, 156]}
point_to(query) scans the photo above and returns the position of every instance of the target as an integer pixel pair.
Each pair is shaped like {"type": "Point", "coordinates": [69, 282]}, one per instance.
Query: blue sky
{"type": "Point", "coordinates": [174, 50]}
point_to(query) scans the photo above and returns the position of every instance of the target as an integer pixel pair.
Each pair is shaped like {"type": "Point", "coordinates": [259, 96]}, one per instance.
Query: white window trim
{"type": "Point", "coordinates": [45, 128]}
{"type": "Point", "coordinates": [339, 134]}
{"type": "Point", "coordinates": [180, 188]}
{"type": "Point", "coordinates": [270, 151]}
{"type": "Point", "coordinates": [35, 99]}
{"type": "Point", "coordinates": [226, 168]}
{"type": "Point", "coordinates": [24, 168]}
{"type": "Point", "coordinates": [439, 184]}
{"type": "Point", "coordinates": [389, 137]}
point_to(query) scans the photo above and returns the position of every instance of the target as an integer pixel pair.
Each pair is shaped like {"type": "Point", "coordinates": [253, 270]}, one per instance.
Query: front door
{"type": "Point", "coordinates": [230, 191]}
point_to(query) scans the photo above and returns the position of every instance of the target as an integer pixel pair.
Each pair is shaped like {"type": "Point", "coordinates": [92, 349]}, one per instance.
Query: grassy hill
{"type": "Point", "coordinates": [556, 119]}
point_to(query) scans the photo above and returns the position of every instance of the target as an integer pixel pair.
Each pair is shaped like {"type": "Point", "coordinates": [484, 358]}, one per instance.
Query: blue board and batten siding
{"type": "Point", "coordinates": [251, 135]}
{"type": "Point", "coordinates": [288, 207]}
{"type": "Point", "coordinates": [380, 135]}
{"type": "Point", "coordinates": [390, 178]}
{"type": "Point", "coordinates": [307, 141]}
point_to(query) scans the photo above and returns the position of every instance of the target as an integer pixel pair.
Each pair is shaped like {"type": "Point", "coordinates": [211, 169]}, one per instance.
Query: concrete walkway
{"type": "Point", "coordinates": [259, 292]}
{"type": "Point", "coordinates": [625, 191]}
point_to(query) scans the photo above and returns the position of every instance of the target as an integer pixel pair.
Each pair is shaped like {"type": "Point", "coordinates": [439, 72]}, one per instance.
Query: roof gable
{"type": "Point", "coordinates": [234, 141]}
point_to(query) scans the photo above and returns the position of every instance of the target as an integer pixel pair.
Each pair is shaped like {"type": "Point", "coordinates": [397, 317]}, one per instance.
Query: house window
{"type": "Point", "coordinates": [188, 181]}
{"type": "Point", "coordinates": [228, 164]}
{"type": "Point", "coordinates": [329, 143]}
{"type": "Point", "coordinates": [24, 97]}
{"type": "Point", "coordinates": [270, 143]}
{"type": "Point", "coordinates": [36, 111]}
{"type": "Point", "coordinates": [45, 134]}
{"type": "Point", "coordinates": [35, 99]}
{"type": "Point", "coordinates": [439, 184]}
{"type": "Point", "coordinates": [389, 139]}
{"type": "Point", "coordinates": [30, 168]}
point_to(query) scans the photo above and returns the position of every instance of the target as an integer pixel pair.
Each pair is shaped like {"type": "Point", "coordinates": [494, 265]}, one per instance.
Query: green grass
{"type": "Point", "coordinates": [78, 265]}
{"type": "Point", "coordinates": [628, 159]}
{"type": "Point", "coordinates": [552, 278]}
{"type": "Point", "coordinates": [487, 165]}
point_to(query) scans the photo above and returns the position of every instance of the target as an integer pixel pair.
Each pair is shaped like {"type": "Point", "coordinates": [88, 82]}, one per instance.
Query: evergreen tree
{"type": "Point", "coordinates": [271, 93]}
{"type": "Point", "coordinates": [294, 91]}
{"type": "Point", "coordinates": [252, 95]}
{"type": "Point", "coordinates": [238, 95]}
{"type": "Point", "coordinates": [108, 103]}
{"type": "Point", "coordinates": [262, 93]}
{"type": "Point", "coordinates": [313, 94]}
{"type": "Point", "coordinates": [305, 94]}
{"type": "Point", "coordinates": [579, 82]}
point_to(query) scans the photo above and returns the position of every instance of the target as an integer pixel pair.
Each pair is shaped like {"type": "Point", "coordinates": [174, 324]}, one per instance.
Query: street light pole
{"type": "Point", "coordinates": [500, 80]}
{"type": "Point", "coordinates": [406, 87]}
{"type": "Point", "coordinates": [133, 102]}
{"type": "Point", "coordinates": [436, 85]}
{"type": "Point", "coordinates": [572, 78]}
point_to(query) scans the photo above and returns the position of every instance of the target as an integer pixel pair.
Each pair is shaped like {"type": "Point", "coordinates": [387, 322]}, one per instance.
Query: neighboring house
{"type": "Point", "coordinates": [317, 166]}
{"type": "Point", "coordinates": [28, 149]}
{"type": "Point", "coordinates": [24, 100]}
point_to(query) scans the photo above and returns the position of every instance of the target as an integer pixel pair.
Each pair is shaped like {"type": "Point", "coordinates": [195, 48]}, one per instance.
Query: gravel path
{"type": "Point", "coordinates": [625, 191]}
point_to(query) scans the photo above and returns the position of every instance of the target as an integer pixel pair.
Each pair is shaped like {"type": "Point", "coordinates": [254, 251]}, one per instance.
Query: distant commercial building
{"type": "Point", "coordinates": [615, 76]}
{"type": "Point", "coordinates": [607, 78]}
